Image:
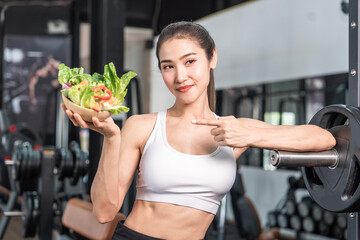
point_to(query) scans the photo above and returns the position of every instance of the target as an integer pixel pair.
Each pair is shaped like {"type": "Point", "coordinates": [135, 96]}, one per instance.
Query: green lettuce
{"type": "Point", "coordinates": [82, 95]}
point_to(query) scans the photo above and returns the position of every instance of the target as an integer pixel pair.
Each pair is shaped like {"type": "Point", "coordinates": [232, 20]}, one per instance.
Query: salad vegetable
{"type": "Point", "coordinates": [98, 92]}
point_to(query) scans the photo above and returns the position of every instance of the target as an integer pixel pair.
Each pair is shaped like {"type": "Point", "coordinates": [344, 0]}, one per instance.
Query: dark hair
{"type": "Point", "coordinates": [201, 35]}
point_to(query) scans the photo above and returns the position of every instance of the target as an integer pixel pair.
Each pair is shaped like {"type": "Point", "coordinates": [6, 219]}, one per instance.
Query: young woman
{"type": "Point", "coordinates": [186, 155]}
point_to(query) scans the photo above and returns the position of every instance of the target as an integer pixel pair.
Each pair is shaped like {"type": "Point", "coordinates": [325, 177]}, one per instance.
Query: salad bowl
{"type": "Point", "coordinates": [85, 113]}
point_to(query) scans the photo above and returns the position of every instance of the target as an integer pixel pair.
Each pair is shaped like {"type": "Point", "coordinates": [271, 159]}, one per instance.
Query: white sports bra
{"type": "Point", "coordinates": [196, 181]}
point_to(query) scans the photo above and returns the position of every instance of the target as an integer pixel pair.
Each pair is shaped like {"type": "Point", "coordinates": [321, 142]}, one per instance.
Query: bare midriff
{"type": "Point", "coordinates": [168, 221]}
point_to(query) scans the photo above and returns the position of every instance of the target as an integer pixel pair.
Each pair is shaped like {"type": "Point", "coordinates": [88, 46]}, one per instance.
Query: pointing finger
{"type": "Point", "coordinates": [206, 122]}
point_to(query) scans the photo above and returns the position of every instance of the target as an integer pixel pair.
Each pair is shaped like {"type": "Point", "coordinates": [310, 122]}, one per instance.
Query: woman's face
{"type": "Point", "coordinates": [185, 69]}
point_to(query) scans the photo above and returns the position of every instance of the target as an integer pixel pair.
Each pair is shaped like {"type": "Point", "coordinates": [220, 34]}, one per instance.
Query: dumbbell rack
{"type": "Point", "coordinates": [46, 197]}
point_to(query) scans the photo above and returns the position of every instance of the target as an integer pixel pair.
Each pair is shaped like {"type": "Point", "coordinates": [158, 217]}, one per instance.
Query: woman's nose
{"type": "Point", "coordinates": [181, 74]}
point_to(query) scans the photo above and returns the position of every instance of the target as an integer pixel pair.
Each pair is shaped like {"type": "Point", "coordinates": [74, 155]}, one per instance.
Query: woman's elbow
{"type": "Point", "coordinates": [328, 141]}
{"type": "Point", "coordinates": [103, 216]}
{"type": "Point", "coordinates": [332, 141]}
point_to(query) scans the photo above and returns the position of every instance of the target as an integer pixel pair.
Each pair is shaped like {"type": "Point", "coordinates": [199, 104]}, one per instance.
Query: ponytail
{"type": "Point", "coordinates": [211, 91]}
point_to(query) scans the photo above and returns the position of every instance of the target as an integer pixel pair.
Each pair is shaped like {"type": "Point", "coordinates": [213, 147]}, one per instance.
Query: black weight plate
{"type": "Point", "coordinates": [29, 219]}
{"type": "Point", "coordinates": [76, 151]}
{"type": "Point", "coordinates": [337, 189]}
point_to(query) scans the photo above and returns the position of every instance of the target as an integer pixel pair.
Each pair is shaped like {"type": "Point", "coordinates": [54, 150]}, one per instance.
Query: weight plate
{"type": "Point", "coordinates": [337, 189]}
{"type": "Point", "coordinates": [30, 208]}
{"type": "Point", "coordinates": [76, 151]}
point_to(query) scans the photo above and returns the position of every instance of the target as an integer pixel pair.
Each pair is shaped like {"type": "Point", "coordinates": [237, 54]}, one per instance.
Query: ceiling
{"type": "Point", "coordinates": [156, 14]}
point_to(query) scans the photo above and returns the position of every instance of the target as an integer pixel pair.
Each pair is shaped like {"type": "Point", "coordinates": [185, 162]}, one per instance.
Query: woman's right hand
{"type": "Point", "coordinates": [108, 128]}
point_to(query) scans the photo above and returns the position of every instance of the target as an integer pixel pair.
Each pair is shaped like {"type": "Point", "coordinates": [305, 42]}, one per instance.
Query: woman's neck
{"type": "Point", "coordinates": [193, 111]}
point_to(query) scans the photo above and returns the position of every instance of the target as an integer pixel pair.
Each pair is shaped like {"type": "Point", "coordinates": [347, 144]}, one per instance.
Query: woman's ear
{"type": "Point", "coordinates": [213, 60]}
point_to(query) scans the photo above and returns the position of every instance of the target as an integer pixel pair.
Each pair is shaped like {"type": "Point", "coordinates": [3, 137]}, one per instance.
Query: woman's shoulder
{"type": "Point", "coordinates": [141, 122]}
{"type": "Point", "coordinates": [142, 125]}
{"type": "Point", "coordinates": [142, 119]}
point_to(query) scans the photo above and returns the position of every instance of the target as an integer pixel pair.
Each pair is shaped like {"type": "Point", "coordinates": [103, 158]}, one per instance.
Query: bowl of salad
{"type": "Point", "coordinates": [97, 95]}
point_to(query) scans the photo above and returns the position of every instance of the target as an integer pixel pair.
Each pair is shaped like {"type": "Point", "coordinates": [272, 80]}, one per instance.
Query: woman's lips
{"type": "Point", "coordinates": [184, 88]}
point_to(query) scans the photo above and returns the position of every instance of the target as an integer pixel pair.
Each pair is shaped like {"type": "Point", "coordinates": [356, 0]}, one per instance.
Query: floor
{"type": "Point", "coordinates": [14, 229]}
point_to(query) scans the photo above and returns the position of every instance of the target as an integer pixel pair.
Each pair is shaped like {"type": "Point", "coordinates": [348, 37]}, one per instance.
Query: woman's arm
{"type": "Point", "coordinates": [244, 132]}
{"type": "Point", "coordinates": [118, 162]}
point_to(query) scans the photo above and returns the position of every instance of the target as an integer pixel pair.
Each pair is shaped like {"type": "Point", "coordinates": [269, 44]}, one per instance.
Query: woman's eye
{"type": "Point", "coordinates": [165, 67]}
{"type": "Point", "coordinates": [190, 61]}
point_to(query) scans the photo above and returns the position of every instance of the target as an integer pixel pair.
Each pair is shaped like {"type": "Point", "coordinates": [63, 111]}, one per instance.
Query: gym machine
{"type": "Point", "coordinates": [333, 177]}
{"type": "Point", "coordinates": [45, 200]}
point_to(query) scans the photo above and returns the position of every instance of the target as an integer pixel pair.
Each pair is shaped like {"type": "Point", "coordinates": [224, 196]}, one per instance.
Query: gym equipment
{"type": "Point", "coordinates": [304, 207]}
{"type": "Point", "coordinates": [323, 229]}
{"type": "Point", "coordinates": [329, 218]}
{"type": "Point", "coordinates": [341, 221]}
{"type": "Point", "coordinates": [290, 206]}
{"type": "Point", "coordinates": [332, 177]}
{"type": "Point", "coordinates": [295, 223]}
{"type": "Point", "coordinates": [73, 218]}
{"type": "Point", "coordinates": [28, 163]}
{"type": "Point", "coordinates": [317, 212]}
{"type": "Point", "coordinates": [309, 224]}
{"type": "Point", "coordinates": [283, 221]}
{"type": "Point", "coordinates": [72, 163]}
{"type": "Point", "coordinates": [272, 218]}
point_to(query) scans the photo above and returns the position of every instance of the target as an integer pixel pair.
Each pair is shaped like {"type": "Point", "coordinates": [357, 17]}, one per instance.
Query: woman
{"type": "Point", "coordinates": [186, 155]}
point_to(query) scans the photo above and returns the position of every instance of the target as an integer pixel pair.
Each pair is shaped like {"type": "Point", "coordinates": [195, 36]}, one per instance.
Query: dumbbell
{"type": "Point", "coordinates": [296, 223]}
{"type": "Point", "coordinates": [71, 163]}
{"type": "Point", "coordinates": [290, 207]}
{"type": "Point", "coordinates": [323, 228]}
{"type": "Point", "coordinates": [329, 218]}
{"type": "Point", "coordinates": [283, 220]}
{"type": "Point", "coordinates": [317, 212]}
{"type": "Point", "coordinates": [341, 220]}
{"type": "Point", "coordinates": [304, 207]}
{"type": "Point", "coordinates": [309, 225]}
{"type": "Point", "coordinates": [272, 219]}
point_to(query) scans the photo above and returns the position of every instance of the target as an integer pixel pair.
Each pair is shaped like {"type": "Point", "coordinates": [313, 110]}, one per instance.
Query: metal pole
{"type": "Point", "coordinates": [354, 92]}
{"type": "Point", "coordinates": [354, 68]}
{"type": "Point", "coordinates": [5, 219]}
{"type": "Point", "coordinates": [47, 193]}
{"type": "Point", "coordinates": [328, 158]}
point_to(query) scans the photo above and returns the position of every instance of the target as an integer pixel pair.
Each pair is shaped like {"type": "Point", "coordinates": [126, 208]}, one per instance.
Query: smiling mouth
{"type": "Point", "coordinates": [184, 88]}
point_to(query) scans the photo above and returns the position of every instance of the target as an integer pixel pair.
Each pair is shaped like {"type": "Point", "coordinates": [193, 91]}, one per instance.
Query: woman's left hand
{"type": "Point", "coordinates": [228, 131]}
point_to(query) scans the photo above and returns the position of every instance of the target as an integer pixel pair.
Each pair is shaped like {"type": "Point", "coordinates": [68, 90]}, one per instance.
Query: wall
{"type": "Point", "coordinates": [271, 40]}
{"type": "Point", "coordinates": [137, 57]}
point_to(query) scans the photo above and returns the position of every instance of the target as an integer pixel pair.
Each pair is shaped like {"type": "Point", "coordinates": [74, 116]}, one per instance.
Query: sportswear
{"type": "Point", "coordinates": [196, 181]}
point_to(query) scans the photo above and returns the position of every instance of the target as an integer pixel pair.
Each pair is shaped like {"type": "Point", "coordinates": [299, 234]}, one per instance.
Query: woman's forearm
{"type": "Point", "coordinates": [293, 138]}
{"type": "Point", "coordinates": [104, 189]}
